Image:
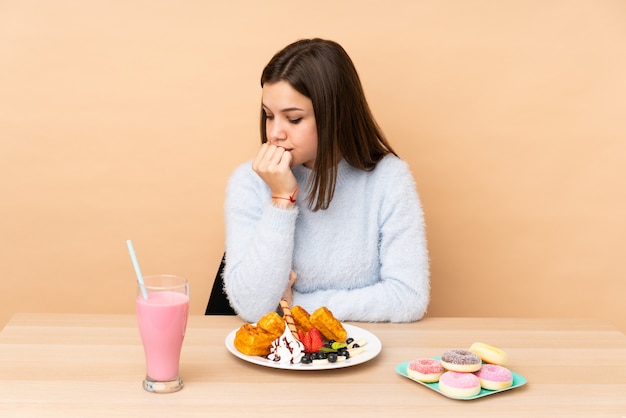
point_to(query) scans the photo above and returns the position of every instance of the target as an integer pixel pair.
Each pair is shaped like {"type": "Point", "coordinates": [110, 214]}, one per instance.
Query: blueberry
{"type": "Point", "coordinates": [306, 360]}
{"type": "Point", "coordinates": [332, 357]}
{"type": "Point", "coordinates": [349, 340]}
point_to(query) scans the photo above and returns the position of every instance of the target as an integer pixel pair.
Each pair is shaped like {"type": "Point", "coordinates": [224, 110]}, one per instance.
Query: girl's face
{"type": "Point", "coordinates": [290, 122]}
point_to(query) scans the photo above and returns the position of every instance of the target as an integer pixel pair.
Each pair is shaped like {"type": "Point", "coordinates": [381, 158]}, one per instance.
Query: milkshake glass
{"type": "Point", "coordinates": [162, 320]}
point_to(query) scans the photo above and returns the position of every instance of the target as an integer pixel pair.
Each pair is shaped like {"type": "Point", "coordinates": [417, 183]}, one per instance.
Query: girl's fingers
{"type": "Point", "coordinates": [285, 159]}
{"type": "Point", "coordinates": [259, 156]}
{"type": "Point", "coordinates": [269, 158]}
{"type": "Point", "coordinates": [273, 165]}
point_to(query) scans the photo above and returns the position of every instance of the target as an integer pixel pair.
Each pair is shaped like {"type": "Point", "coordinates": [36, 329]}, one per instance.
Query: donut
{"type": "Point", "coordinates": [425, 370]}
{"type": "Point", "coordinates": [489, 354]}
{"type": "Point", "coordinates": [459, 385]}
{"type": "Point", "coordinates": [494, 377]}
{"type": "Point", "coordinates": [459, 360]}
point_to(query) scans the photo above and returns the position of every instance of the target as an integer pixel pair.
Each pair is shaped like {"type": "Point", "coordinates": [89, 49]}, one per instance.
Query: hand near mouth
{"type": "Point", "coordinates": [273, 165]}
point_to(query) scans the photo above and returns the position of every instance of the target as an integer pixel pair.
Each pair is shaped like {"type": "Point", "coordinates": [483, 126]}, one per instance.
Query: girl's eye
{"type": "Point", "coordinates": [295, 121]}
{"type": "Point", "coordinates": [269, 117]}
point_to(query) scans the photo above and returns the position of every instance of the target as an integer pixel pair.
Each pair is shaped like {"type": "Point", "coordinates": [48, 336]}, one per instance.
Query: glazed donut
{"type": "Point", "coordinates": [489, 354]}
{"type": "Point", "coordinates": [459, 385]}
{"type": "Point", "coordinates": [494, 377]}
{"type": "Point", "coordinates": [458, 360]}
{"type": "Point", "coordinates": [425, 370]}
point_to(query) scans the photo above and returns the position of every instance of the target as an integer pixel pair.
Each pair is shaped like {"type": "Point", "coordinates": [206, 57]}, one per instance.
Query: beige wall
{"type": "Point", "coordinates": [123, 119]}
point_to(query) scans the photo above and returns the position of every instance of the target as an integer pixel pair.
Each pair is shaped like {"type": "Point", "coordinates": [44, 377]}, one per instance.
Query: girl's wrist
{"type": "Point", "coordinates": [282, 203]}
{"type": "Point", "coordinates": [285, 201]}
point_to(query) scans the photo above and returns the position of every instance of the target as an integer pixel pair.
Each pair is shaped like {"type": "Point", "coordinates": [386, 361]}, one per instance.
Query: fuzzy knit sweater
{"type": "Point", "coordinates": [364, 258]}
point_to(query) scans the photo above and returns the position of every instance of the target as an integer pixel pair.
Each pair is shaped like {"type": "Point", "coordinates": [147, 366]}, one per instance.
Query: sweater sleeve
{"type": "Point", "coordinates": [259, 245]}
{"type": "Point", "coordinates": [401, 292]}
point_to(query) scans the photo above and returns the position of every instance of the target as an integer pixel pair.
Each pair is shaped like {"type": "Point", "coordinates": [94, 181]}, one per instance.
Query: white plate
{"type": "Point", "coordinates": [372, 349]}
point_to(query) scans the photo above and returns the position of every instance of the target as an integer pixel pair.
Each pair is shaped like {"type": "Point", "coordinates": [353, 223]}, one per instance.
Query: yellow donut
{"type": "Point", "coordinates": [489, 354]}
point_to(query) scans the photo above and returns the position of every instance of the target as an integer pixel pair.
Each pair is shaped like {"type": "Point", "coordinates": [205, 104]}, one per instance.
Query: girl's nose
{"type": "Point", "coordinates": [276, 132]}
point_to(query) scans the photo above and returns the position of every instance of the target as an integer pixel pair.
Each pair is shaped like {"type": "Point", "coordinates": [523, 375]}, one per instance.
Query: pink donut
{"type": "Point", "coordinates": [494, 377]}
{"type": "Point", "coordinates": [425, 370]}
{"type": "Point", "coordinates": [459, 385]}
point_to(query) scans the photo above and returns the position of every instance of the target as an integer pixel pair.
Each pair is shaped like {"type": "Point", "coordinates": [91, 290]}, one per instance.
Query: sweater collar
{"type": "Point", "coordinates": [303, 173]}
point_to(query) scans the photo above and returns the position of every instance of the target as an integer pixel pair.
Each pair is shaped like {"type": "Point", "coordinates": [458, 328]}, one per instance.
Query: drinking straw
{"type": "Point", "coordinates": [133, 257]}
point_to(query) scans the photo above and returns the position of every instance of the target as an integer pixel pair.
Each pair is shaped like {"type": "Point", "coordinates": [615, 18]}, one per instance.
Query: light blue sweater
{"type": "Point", "coordinates": [364, 258]}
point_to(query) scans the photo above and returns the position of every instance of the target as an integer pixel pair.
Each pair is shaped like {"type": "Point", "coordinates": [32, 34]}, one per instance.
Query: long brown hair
{"type": "Point", "coordinates": [322, 71]}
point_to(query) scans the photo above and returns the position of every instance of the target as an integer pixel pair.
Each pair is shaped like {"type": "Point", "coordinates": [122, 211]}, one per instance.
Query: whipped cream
{"type": "Point", "coordinates": [286, 349]}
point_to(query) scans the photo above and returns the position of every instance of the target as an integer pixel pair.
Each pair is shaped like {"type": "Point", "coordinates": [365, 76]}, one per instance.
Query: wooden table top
{"type": "Point", "coordinates": [83, 365]}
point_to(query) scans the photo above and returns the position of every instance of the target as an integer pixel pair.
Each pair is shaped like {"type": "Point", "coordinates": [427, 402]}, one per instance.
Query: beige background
{"type": "Point", "coordinates": [124, 119]}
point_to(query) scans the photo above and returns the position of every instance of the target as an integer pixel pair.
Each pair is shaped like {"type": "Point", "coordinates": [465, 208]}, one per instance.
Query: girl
{"type": "Point", "coordinates": [326, 214]}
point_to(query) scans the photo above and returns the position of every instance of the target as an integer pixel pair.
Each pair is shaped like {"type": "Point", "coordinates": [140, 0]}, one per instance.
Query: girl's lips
{"type": "Point", "coordinates": [280, 146]}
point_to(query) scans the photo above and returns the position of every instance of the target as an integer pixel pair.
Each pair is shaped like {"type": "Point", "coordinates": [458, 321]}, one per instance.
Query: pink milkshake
{"type": "Point", "coordinates": [162, 319]}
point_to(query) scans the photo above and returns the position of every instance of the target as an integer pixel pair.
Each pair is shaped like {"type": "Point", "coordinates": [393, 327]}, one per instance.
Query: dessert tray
{"type": "Point", "coordinates": [372, 349]}
{"type": "Point", "coordinates": [518, 380]}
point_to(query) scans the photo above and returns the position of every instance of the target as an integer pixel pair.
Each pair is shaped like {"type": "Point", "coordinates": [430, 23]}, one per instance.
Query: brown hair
{"type": "Point", "coordinates": [322, 71]}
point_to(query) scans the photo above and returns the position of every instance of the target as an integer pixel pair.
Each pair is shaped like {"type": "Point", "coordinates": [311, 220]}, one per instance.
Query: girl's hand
{"type": "Point", "coordinates": [288, 296]}
{"type": "Point", "coordinates": [273, 165]}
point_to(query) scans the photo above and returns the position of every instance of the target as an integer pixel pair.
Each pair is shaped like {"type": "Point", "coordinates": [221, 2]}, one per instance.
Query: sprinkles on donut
{"type": "Point", "coordinates": [459, 360]}
{"type": "Point", "coordinates": [459, 385]}
{"type": "Point", "coordinates": [425, 370]}
{"type": "Point", "coordinates": [494, 377]}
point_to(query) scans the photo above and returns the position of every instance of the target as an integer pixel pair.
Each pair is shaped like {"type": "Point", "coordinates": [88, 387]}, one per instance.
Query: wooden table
{"type": "Point", "coordinates": [76, 365]}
